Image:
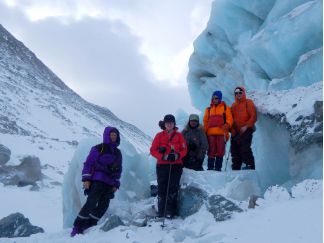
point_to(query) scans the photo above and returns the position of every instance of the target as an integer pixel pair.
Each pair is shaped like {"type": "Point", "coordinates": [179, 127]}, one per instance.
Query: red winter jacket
{"type": "Point", "coordinates": [175, 140]}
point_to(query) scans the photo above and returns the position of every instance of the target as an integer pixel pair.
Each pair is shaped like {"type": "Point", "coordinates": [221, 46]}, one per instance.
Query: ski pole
{"type": "Point", "coordinates": [227, 157]}
{"type": "Point", "coordinates": [167, 195]}
{"type": "Point", "coordinates": [225, 141]}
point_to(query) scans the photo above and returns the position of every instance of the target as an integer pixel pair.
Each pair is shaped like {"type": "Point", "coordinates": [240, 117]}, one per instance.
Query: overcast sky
{"type": "Point", "coordinates": [129, 56]}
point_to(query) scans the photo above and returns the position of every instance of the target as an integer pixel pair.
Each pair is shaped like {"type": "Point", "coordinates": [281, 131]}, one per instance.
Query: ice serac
{"type": "Point", "coordinates": [137, 173]}
{"type": "Point", "coordinates": [268, 46]}
{"type": "Point", "coordinates": [291, 128]}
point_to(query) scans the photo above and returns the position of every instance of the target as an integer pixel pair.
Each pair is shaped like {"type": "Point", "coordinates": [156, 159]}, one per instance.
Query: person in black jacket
{"type": "Point", "coordinates": [197, 143]}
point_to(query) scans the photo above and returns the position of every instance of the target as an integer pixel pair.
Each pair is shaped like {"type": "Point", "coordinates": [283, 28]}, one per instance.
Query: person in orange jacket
{"type": "Point", "coordinates": [245, 117]}
{"type": "Point", "coordinates": [217, 122]}
{"type": "Point", "coordinates": [168, 147]}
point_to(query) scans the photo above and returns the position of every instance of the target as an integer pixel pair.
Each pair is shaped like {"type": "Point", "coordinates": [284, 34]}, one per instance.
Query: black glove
{"type": "Point", "coordinates": [172, 157]}
{"type": "Point", "coordinates": [162, 150]}
{"type": "Point", "coordinates": [86, 192]}
{"type": "Point", "coordinates": [192, 146]}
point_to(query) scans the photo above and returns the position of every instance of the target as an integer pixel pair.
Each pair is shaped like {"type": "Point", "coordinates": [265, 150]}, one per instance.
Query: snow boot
{"type": "Point", "coordinates": [219, 163]}
{"type": "Point", "coordinates": [76, 230]}
{"type": "Point", "coordinates": [161, 205]}
{"type": "Point", "coordinates": [211, 163]}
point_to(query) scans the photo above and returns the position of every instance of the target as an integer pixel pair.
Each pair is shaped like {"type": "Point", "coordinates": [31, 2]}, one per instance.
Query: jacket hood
{"type": "Point", "coordinates": [188, 127]}
{"type": "Point", "coordinates": [217, 93]}
{"type": "Point", "coordinates": [243, 90]}
{"type": "Point", "coordinates": [106, 136]}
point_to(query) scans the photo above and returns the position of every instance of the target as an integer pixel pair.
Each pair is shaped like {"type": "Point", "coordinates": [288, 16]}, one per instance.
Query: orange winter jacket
{"type": "Point", "coordinates": [214, 119]}
{"type": "Point", "coordinates": [174, 140]}
{"type": "Point", "coordinates": [244, 113]}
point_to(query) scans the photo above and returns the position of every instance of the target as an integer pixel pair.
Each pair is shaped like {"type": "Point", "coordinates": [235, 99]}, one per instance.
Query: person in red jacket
{"type": "Point", "coordinates": [245, 116]}
{"type": "Point", "coordinates": [168, 147]}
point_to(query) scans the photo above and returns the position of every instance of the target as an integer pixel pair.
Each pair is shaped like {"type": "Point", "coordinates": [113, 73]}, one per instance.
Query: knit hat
{"type": "Point", "coordinates": [169, 118]}
{"type": "Point", "coordinates": [218, 93]}
{"type": "Point", "coordinates": [194, 117]}
{"type": "Point", "coordinates": [238, 89]}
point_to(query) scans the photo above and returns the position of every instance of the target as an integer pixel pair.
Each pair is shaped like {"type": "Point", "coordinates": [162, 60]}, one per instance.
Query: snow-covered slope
{"type": "Point", "coordinates": [278, 217]}
{"type": "Point", "coordinates": [41, 116]}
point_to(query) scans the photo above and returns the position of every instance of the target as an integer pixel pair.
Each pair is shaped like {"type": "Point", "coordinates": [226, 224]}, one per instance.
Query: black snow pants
{"type": "Point", "coordinates": [241, 151]}
{"type": "Point", "coordinates": [192, 162]}
{"type": "Point", "coordinates": [96, 205]}
{"type": "Point", "coordinates": [162, 172]}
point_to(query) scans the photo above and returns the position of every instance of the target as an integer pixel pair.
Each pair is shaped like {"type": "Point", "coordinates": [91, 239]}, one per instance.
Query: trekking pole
{"type": "Point", "coordinates": [225, 141]}
{"type": "Point", "coordinates": [227, 157]}
{"type": "Point", "coordinates": [167, 195]}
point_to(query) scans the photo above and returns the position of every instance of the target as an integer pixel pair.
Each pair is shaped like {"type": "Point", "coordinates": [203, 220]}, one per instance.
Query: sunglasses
{"type": "Point", "coordinates": [238, 92]}
{"type": "Point", "coordinates": [215, 98]}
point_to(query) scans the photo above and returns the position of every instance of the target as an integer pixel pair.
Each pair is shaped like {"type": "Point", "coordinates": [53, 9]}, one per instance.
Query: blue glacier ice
{"type": "Point", "coordinates": [138, 171]}
{"type": "Point", "coordinates": [258, 44]}
{"type": "Point", "coordinates": [273, 45]}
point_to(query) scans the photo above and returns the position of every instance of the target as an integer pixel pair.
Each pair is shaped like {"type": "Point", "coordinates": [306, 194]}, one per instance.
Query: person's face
{"type": "Point", "coordinates": [193, 123]}
{"type": "Point", "coordinates": [215, 100]}
{"type": "Point", "coordinates": [169, 125]}
{"type": "Point", "coordinates": [113, 136]}
{"type": "Point", "coordinates": [238, 94]}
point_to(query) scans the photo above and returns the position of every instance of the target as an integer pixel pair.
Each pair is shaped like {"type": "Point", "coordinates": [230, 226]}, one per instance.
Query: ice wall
{"type": "Point", "coordinates": [290, 138]}
{"type": "Point", "coordinates": [138, 171]}
{"type": "Point", "coordinates": [265, 45]}
{"type": "Point", "coordinates": [259, 44]}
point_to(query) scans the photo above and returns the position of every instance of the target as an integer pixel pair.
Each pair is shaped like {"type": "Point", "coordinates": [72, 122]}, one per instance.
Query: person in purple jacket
{"type": "Point", "coordinates": [100, 175]}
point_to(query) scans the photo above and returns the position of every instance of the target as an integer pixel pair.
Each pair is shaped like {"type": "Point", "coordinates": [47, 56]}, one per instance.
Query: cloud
{"type": "Point", "coordinates": [101, 60]}
{"type": "Point", "coordinates": [166, 27]}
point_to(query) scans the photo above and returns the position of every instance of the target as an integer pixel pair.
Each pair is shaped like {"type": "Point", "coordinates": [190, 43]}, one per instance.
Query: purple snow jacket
{"type": "Point", "coordinates": [104, 162]}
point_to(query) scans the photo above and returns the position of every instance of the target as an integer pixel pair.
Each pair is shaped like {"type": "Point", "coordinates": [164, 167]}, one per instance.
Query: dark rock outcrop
{"type": "Point", "coordinates": [112, 222]}
{"type": "Point", "coordinates": [310, 129]}
{"type": "Point", "coordinates": [190, 200]}
{"type": "Point", "coordinates": [4, 154]}
{"type": "Point", "coordinates": [16, 225]}
{"type": "Point", "coordinates": [222, 208]}
{"type": "Point", "coordinates": [27, 173]}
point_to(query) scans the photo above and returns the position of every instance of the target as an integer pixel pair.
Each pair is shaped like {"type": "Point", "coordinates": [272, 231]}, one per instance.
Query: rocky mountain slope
{"type": "Point", "coordinates": [42, 116]}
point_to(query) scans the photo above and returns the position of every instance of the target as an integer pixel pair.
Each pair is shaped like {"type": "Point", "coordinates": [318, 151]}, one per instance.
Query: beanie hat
{"type": "Point", "coordinates": [193, 117]}
{"type": "Point", "coordinates": [169, 118]}
{"type": "Point", "coordinates": [218, 93]}
{"type": "Point", "coordinates": [238, 89]}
